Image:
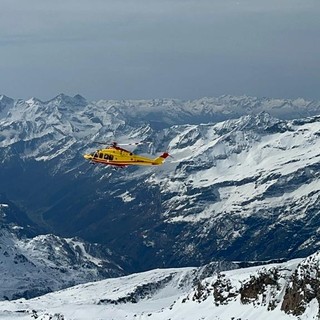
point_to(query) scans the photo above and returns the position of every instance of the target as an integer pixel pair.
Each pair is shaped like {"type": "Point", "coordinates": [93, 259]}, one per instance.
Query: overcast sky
{"type": "Point", "coordinates": [141, 49]}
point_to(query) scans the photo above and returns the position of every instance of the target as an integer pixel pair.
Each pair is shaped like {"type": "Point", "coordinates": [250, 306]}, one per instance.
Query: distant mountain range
{"type": "Point", "coordinates": [243, 183]}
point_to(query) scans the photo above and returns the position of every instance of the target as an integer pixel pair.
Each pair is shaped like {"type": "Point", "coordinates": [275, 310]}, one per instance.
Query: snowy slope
{"type": "Point", "coordinates": [245, 185]}
{"type": "Point", "coordinates": [242, 154]}
{"type": "Point", "coordinates": [272, 291]}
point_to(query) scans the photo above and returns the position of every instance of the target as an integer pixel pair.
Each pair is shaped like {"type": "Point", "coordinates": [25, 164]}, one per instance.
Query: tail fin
{"type": "Point", "coordinates": [161, 159]}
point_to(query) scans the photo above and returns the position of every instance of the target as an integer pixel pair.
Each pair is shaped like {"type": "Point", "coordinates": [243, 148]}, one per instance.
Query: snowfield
{"type": "Point", "coordinates": [169, 294]}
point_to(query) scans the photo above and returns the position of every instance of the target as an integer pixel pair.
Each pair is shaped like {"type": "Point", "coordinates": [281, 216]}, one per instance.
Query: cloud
{"type": "Point", "coordinates": [148, 48]}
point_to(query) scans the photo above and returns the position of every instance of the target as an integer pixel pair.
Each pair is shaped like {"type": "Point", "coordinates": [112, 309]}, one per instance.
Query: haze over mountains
{"type": "Point", "coordinates": [243, 183]}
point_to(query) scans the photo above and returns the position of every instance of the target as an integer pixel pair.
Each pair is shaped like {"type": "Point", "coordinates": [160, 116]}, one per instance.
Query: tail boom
{"type": "Point", "coordinates": [160, 160]}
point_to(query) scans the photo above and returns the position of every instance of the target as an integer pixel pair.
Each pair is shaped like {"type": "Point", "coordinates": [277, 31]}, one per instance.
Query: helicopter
{"type": "Point", "coordinates": [116, 156]}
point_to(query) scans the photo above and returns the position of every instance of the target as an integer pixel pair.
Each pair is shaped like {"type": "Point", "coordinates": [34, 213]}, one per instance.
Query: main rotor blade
{"type": "Point", "coordinates": [129, 144]}
{"type": "Point", "coordinates": [113, 143]}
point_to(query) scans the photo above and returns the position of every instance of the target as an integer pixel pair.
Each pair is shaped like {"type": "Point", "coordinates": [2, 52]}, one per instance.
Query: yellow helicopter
{"type": "Point", "coordinates": [116, 156]}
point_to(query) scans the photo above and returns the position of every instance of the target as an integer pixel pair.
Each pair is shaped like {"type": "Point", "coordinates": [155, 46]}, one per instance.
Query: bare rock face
{"type": "Point", "coordinates": [258, 286]}
{"type": "Point", "coordinates": [303, 287]}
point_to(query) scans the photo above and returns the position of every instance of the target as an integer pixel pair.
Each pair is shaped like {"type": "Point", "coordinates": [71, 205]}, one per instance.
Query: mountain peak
{"type": "Point", "coordinates": [62, 100]}
{"type": "Point", "coordinates": [262, 122]}
{"type": "Point", "coordinates": [5, 102]}
{"type": "Point", "coordinates": [34, 100]}
{"type": "Point", "coordinates": [5, 98]}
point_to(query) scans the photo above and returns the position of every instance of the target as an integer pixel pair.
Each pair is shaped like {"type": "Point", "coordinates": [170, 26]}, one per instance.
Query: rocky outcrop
{"type": "Point", "coordinates": [303, 287]}
{"type": "Point", "coordinates": [289, 287]}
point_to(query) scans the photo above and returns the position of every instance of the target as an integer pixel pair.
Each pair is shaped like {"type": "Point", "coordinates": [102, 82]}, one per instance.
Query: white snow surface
{"type": "Point", "coordinates": [126, 197]}
{"type": "Point", "coordinates": [244, 157]}
{"type": "Point", "coordinates": [175, 298]}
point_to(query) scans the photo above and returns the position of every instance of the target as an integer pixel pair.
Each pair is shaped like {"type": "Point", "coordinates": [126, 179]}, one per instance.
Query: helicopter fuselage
{"type": "Point", "coordinates": [116, 156]}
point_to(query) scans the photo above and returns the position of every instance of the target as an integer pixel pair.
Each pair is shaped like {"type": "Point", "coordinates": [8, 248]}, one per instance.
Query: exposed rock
{"type": "Point", "coordinates": [303, 287]}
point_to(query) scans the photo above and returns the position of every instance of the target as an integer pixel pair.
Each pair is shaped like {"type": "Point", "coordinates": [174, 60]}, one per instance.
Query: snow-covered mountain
{"type": "Point", "coordinates": [286, 290]}
{"type": "Point", "coordinates": [243, 188]}
{"type": "Point", "coordinates": [33, 266]}
{"type": "Point", "coordinates": [249, 185]}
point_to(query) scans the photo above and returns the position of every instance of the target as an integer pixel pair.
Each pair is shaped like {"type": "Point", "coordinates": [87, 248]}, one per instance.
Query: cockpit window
{"type": "Point", "coordinates": [108, 157]}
